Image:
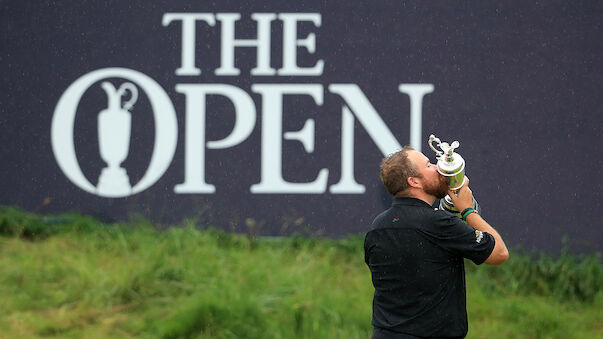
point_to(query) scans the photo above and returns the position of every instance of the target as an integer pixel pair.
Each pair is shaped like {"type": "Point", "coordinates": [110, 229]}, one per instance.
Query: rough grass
{"type": "Point", "coordinates": [74, 277]}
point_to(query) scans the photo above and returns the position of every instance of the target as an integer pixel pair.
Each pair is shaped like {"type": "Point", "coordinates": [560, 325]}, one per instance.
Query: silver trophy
{"type": "Point", "coordinates": [451, 165]}
{"type": "Point", "coordinates": [114, 128]}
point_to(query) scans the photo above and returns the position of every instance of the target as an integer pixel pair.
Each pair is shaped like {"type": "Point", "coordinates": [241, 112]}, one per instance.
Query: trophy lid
{"type": "Point", "coordinates": [449, 162]}
{"type": "Point", "coordinates": [450, 165]}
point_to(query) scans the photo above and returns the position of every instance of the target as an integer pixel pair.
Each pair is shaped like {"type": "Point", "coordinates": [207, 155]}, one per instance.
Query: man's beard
{"type": "Point", "coordinates": [438, 188]}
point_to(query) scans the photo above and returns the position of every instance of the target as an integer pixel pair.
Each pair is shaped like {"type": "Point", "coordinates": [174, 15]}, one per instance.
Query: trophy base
{"type": "Point", "coordinates": [447, 205]}
{"type": "Point", "coordinates": [114, 183]}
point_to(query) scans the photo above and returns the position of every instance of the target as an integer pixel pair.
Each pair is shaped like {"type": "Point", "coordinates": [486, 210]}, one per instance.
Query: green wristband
{"type": "Point", "coordinates": [469, 211]}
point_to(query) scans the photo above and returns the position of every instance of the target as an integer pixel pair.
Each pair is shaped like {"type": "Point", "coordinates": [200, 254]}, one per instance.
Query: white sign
{"type": "Point", "coordinates": [114, 120]}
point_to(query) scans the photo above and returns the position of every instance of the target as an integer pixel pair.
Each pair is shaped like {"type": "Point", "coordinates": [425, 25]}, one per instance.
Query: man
{"type": "Point", "coordinates": [415, 252]}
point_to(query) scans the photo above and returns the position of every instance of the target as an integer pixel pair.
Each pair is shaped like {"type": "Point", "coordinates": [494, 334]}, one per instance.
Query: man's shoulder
{"type": "Point", "coordinates": [381, 219]}
{"type": "Point", "coordinates": [405, 216]}
{"type": "Point", "coordinates": [426, 213]}
{"type": "Point", "coordinates": [440, 214]}
{"type": "Point", "coordinates": [444, 223]}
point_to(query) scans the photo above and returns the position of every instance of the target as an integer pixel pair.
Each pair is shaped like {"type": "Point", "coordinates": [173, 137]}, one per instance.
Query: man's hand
{"type": "Point", "coordinates": [463, 197]}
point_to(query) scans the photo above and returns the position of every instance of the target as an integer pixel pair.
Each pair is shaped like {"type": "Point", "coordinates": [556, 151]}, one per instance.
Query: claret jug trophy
{"type": "Point", "coordinates": [451, 165]}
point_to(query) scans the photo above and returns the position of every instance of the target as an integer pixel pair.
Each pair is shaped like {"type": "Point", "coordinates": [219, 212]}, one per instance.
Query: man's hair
{"type": "Point", "coordinates": [396, 168]}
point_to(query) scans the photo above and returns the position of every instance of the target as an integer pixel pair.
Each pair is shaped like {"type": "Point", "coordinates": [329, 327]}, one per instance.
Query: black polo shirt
{"type": "Point", "coordinates": [415, 254]}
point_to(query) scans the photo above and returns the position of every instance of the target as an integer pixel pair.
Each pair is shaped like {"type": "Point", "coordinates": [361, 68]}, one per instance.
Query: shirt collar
{"type": "Point", "coordinates": [409, 201]}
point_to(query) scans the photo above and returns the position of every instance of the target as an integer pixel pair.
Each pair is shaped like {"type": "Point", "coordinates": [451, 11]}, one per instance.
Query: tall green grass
{"type": "Point", "coordinates": [71, 276]}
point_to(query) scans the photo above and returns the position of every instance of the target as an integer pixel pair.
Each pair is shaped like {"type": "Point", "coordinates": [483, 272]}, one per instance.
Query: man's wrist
{"type": "Point", "coordinates": [466, 212]}
{"type": "Point", "coordinates": [463, 208]}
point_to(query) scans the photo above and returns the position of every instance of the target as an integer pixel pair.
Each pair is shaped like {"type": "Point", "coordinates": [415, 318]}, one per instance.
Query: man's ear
{"type": "Point", "coordinates": [413, 182]}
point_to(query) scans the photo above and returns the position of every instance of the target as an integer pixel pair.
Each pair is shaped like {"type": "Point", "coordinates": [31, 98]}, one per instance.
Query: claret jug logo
{"type": "Point", "coordinates": [114, 119]}
{"type": "Point", "coordinates": [114, 126]}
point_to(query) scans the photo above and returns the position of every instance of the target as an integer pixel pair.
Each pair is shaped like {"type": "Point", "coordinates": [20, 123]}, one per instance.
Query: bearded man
{"type": "Point", "coordinates": [416, 253]}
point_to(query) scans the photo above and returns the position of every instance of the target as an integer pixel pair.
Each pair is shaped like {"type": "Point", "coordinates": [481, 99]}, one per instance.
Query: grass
{"type": "Point", "coordinates": [74, 277]}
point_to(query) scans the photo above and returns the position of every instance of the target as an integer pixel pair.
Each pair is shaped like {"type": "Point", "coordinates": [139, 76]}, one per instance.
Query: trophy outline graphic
{"type": "Point", "coordinates": [114, 130]}
{"type": "Point", "coordinates": [63, 126]}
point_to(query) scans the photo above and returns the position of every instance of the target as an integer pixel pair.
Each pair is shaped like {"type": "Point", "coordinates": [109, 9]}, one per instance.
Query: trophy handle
{"type": "Point", "coordinates": [433, 138]}
{"type": "Point", "coordinates": [133, 91]}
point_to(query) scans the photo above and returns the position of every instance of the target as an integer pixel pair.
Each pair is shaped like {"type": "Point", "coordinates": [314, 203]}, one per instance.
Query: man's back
{"type": "Point", "coordinates": [415, 255]}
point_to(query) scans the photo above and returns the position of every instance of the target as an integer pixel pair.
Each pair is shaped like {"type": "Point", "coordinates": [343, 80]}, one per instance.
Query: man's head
{"type": "Point", "coordinates": [409, 173]}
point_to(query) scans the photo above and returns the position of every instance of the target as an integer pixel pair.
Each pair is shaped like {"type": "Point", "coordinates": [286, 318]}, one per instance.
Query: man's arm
{"type": "Point", "coordinates": [463, 198]}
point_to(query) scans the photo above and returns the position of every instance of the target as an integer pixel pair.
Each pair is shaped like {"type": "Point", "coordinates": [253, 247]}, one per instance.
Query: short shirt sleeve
{"type": "Point", "coordinates": [454, 235]}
